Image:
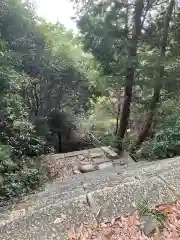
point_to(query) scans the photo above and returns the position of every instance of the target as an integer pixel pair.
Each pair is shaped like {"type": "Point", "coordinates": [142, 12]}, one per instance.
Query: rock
{"type": "Point", "coordinates": [119, 162]}
{"type": "Point", "coordinates": [76, 172]}
{"type": "Point", "coordinates": [105, 165]}
{"type": "Point", "coordinates": [81, 158]}
{"type": "Point", "coordinates": [148, 225]}
{"type": "Point", "coordinates": [95, 154]}
{"type": "Point", "coordinates": [111, 154]}
{"type": "Point", "coordinates": [99, 160]}
{"type": "Point", "coordinates": [85, 163]}
{"type": "Point", "coordinates": [116, 150]}
{"type": "Point", "coordinates": [84, 168]}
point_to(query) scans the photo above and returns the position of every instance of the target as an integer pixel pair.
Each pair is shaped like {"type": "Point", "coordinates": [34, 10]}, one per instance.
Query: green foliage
{"type": "Point", "coordinates": [143, 207]}
{"type": "Point", "coordinates": [18, 138]}
{"type": "Point", "coordinates": [21, 182]}
{"type": "Point", "coordinates": [105, 29]}
{"type": "Point", "coordinates": [43, 70]}
{"type": "Point", "coordinates": [101, 121]}
{"type": "Point", "coordinates": [6, 163]}
{"type": "Point", "coordinates": [16, 180]}
{"type": "Point", "coordinates": [166, 140]}
{"type": "Point", "coordinates": [104, 33]}
{"type": "Point", "coordinates": [144, 210]}
{"type": "Point", "coordinates": [16, 128]}
{"type": "Point", "coordinates": [159, 217]}
{"type": "Point", "coordinates": [163, 145]}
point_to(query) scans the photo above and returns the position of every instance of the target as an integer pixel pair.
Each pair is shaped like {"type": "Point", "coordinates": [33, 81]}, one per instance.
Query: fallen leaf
{"type": "Point", "coordinates": [157, 234]}
{"type": "Point", "coordinates": [71, 234]}
{"type": "Point", "coordinates": [128, 227]}
{"type": "Point", "coordinates": [165, 208]}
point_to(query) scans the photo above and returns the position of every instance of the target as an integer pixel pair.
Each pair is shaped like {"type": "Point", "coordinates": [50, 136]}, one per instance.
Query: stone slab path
{"type": "Point", "coordinates": [91, 197]}
{"type": "Point", "coordinates": [65, 166]}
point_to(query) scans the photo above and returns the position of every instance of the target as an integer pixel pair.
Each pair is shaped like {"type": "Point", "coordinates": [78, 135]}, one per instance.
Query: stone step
{"type": "Point", "coordinates": [79, 185]}
{"type": "Point", "coordinates": [91, 197]}
{"type": "Point", "coordinates": [85, 183]}
{"type": "Point", "coordinates": [66, 165]}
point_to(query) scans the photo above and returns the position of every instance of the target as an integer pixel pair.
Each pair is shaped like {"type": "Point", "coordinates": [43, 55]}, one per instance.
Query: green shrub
{"type": "Point", "coordinates": [17, 178]}
{"type": "Point", "coordinates": [6, 163]}
{"type": "Point", "coordinates": [164, 144]}
{"type": "Point", "coordinates": [18, 140]}
{"type": "Point", "coordinates": [21, 183]}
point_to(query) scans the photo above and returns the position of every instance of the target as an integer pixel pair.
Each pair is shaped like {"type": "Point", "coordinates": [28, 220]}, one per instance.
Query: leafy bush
{"type": "Point", "coordinates": [17, 177]}
{"type": "Point", "coordinates": [18, 139]}
{"type": "Point", "coordinates": [16, 129]}
{"type": "Point", "coordinates": [24, 140]}
{"type": "Point", "coordinates": [166, 139]}
{"type": "Point", "coordinates": [6, 163]}
{"type": "Point", "coordinates": [21, 183]}
{"type": "Point", "coordinates": [164, 144]}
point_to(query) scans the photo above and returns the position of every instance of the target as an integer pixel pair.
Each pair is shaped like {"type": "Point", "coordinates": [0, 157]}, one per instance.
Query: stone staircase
{"type": "Point", "coordinates": [91, 197]}
{"type": "Point", "coordinates": [65, 166]}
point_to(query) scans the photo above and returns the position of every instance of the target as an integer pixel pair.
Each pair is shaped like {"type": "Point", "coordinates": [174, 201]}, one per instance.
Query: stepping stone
{"type": "Point", "coordinates": [111, 154]}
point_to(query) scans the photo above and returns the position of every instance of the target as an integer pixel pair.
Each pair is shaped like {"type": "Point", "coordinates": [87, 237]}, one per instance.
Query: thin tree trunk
{"type": "Point", "coordinates": [157, 87]}
{"type": "Point", "coordinates": [37, 100]}
{"type": "Point", "coordinates": [117, 117]}
{"type": "Point", "coordinates": [60, 142]}
{"type": "Point", "coordinates": [130, 72]}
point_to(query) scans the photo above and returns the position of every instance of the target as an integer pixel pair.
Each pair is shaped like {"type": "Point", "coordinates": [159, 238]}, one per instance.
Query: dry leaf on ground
{"type": "Point", "coordinates": [128, 227]}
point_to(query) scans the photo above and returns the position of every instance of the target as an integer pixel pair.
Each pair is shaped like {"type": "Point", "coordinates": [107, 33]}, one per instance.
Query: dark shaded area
{"type": "Point", "coordinates": [61, 134]}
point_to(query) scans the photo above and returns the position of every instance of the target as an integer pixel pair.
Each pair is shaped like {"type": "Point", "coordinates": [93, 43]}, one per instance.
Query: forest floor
{"type": "Point", "coordinates": [161, 223]}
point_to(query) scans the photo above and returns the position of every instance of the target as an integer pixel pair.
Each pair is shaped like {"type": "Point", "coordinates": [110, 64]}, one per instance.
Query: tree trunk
{"type": "Point", "coordinates": [59, 142]}
{"type": "Point", "coordinates": [157, 87]}
{"type": "Point", "coordinates": [130, 72]}
{"type": "Point", "coordinates": [117, 116]}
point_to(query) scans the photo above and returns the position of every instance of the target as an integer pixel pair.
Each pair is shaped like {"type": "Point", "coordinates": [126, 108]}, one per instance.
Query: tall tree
{"type": "Point", "coordinates": [111, 32]}
{"type": "Point", "coordinates": [130, 70]}
{"type": "Point", "coordinates": [158, 78]}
